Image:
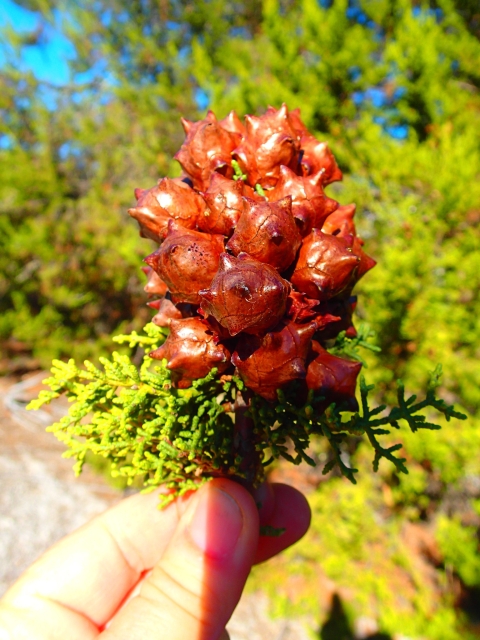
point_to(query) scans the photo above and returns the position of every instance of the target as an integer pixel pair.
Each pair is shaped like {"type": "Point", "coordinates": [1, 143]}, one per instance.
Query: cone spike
{"type": "Point", "coordinates": [158, 354]}
{"type": "Point", "coordinates": [283, 112]}
{"type": "Point", "coordinates": [218, 163]}
{"type": "Point", "coordinates": [253, 123]}
{"type": "Point", "coordinates": [233, 123]}
{"type": "Point", "coordinates": [186, 124]}
{"type": "Point", "coordinates": [208, 294]}
{"type": "Point", "coordinates": [317, 178]}
{"type": "Point", "coordinates": [299, 369]}
{"type": "Point", "coordinates": [286, 172]}
{"type": "Point", "coordinates": [175, 361]}
{"type": "Point", "coordinates": [286, 202]}
{"type": "Point", "coordinates": [180, 155]}
{"type": "Point", "coordinates": [306, 329]}
{"type": "Point", "coordinates": [226, 261]}
{"type": "Point", "coordinates": [151, 260]}
{"type": "Point", "coordinates": [172, 226]}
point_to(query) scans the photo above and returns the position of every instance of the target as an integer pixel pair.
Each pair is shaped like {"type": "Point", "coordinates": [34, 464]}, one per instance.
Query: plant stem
{"type": "Point", "coordinates": [244, 440]}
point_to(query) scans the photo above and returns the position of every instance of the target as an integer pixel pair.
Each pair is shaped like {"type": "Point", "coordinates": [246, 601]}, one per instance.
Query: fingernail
{"type": "Point", "coordinates": [217, 523]}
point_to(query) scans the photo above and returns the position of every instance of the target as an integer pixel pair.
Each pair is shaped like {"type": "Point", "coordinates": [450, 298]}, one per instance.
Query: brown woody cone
{"type": "Point", "coordinates": [224, 241]}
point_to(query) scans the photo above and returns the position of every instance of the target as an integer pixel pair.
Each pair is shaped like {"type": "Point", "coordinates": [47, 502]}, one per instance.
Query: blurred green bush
{"type": "Point", "coordinates": [393, 86]}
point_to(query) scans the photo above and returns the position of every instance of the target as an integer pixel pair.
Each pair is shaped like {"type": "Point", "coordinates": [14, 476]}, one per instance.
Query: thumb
{"type": "Point", "coordinates": [194, 589]}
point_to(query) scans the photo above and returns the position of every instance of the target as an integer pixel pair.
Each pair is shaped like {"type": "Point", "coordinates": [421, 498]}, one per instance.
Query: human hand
{"type": "Point", "coordinates": [140, 573]}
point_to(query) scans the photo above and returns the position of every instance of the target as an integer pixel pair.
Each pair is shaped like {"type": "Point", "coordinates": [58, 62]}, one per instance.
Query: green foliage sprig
{"type": "Point", "coordinates": [349, 347]}
{"type": "Point", "coordinates": [179, 438]}
{"type": "Point", "coordinates": [238, 173]}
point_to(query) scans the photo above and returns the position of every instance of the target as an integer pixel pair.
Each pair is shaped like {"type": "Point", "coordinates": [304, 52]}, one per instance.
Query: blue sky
{"type": "Point", "coordinates": [49, 61]}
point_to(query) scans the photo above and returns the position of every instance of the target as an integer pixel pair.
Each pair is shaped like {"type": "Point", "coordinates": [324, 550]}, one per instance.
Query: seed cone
{"type": "Point", "coordinates": [187, 261]}
{"type": "Point", "coordinates": [256, 264]}
{"type": "Point", "coordinates": [325, 267]}
{"type": "Point", "coordinates": [335, 378]}
{"type": "Point", "coordinates": [191, 351]}
{"type": "Point", "coordinates": [269, 363]}
{"type": "Point", "coordinates": [267, 231]}
{"type": "Point", "coordinates": [207, 148]}
{"type": "Point", "coordinates": [310, 205]}
{"type": "Point", "coordinates": [245, 295]}
{"type": "Point", "coordinates": [169, 200]}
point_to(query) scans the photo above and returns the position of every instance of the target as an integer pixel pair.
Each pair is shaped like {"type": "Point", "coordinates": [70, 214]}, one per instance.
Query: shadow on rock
{"type": "Point", "coordinates": [337, 626]}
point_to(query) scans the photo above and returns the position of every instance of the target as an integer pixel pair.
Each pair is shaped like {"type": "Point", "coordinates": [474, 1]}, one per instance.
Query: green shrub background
{"type": "Point", "coordinates": [393, 86]}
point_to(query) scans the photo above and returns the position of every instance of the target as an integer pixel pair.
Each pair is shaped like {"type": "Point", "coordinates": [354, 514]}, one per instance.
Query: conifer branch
{"type": "Point", "coordinates": [179, 438]}
{"type": "Point", "coordinates": [349, 347]}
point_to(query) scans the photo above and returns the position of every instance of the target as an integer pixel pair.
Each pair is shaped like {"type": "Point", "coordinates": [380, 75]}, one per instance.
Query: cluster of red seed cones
{"type": "Point", "coordinates": [256, 265]}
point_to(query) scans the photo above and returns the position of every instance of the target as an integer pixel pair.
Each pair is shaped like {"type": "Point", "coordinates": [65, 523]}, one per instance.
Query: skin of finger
{"type": "Point", "coordinates": [292, 512]}
{"type": "Point", "coordinates": [76, 577]}
{"type": "Point", "coordinates": [44, 620]}
{"type": "Point", "coordinates": [91, 571]}
{"type": "Point", "coordinates": [190, 594]}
